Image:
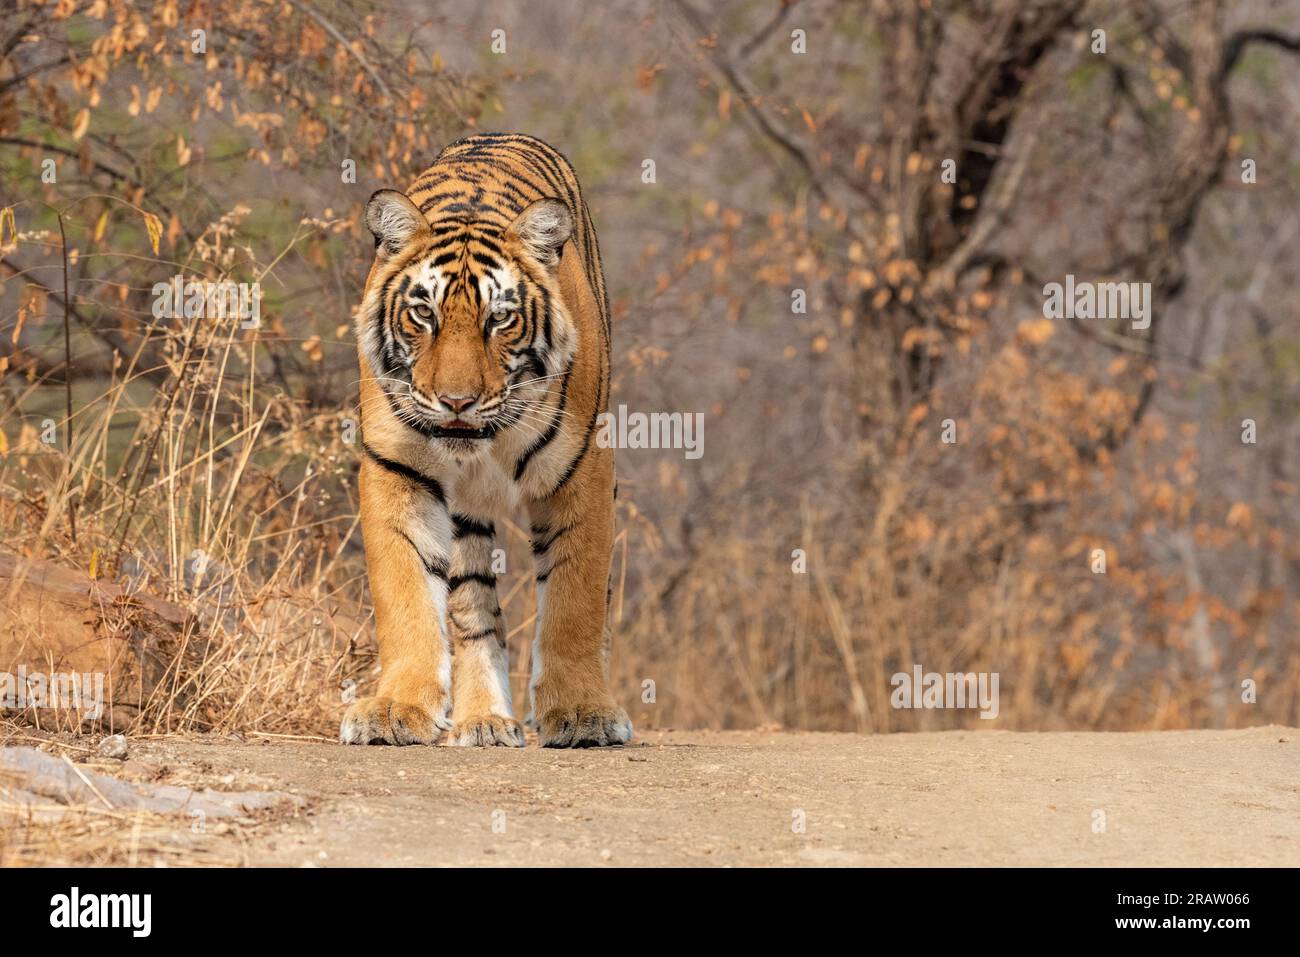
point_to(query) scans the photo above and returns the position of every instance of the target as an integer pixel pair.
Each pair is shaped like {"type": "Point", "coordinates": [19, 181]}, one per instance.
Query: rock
{"type": "Point", "coordinates": [114, 746]}
{"type": "Point", "coordinates": [123, 643]}
{"type": "Point", "coordinates": [57, 780]}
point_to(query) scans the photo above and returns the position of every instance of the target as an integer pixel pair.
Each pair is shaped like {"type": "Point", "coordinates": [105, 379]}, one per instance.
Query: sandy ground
{"type": "Point", "coordinates": [739, 798]}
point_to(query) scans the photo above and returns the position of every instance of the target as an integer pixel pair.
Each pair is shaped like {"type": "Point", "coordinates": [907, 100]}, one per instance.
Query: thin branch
{"type": "Point", "coordinates": [64, 151]}
{"type": "Point", "coordinates": [759, 38]}
{"type": "Point", "coordinates": [67, 379]}
{"type": "Point", "coordinates": [1237, 43]}
{"type": "Point", "coordinates": [10, 82]}
{"type": "Point", "coordinates": [765, 124]}
{"type": "Point", "coordinates": [356, 55]}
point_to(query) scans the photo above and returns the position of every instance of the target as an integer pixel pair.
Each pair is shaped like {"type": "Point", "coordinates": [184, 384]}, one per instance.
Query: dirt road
{"type": "Point", "coordinates": [739, 798]}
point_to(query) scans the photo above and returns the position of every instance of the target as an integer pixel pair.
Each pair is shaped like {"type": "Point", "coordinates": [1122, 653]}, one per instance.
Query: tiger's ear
{"type": "Point", "coordinates": [394, 220]}
{"type": "Point", "coordinates": [543, 229]}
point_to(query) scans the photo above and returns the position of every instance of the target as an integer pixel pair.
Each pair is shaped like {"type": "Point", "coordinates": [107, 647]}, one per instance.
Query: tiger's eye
{"type": "Point", "coordinates": [423, 312]}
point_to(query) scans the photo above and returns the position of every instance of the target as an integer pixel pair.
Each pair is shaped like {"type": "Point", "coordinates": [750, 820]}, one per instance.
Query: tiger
{"type": "Point", "coordinates": [483, 339]}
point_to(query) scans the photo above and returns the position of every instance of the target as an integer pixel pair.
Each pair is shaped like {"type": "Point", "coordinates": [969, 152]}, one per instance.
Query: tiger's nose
{"type": "Point", "coordinates": [458, 403]}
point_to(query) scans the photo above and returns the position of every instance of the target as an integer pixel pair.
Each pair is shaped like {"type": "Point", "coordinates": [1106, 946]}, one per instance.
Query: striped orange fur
{"type": "Point", "coordinates": [485, 352]}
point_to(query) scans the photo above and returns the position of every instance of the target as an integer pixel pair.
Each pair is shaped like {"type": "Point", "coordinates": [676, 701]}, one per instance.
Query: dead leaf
{"type": "Point", "coordinates": [154, 227]}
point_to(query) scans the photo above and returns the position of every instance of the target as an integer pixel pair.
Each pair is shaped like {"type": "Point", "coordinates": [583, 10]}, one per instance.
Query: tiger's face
{"type": "Point", "coordinates": [462, 323]}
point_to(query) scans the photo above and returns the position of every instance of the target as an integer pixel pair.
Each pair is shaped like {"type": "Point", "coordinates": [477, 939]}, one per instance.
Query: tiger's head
{"type": "Point", "coordinates": [462, 322]}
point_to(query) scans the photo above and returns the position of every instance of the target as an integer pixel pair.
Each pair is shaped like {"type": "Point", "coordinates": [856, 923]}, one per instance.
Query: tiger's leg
{"type": "Point", "coordinates": [407, 534]}
{"type": "Point", "coordinates": [572, 533]}
{"type": "Point", "coordinates": [482, 712]}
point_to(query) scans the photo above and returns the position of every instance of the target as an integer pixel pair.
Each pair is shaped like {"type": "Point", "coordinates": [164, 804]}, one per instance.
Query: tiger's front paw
{"type": "Point", "coordinates": [487, 730]}
{"type": "Point", "coordinates": [584, 726]}
{"type": "Point", "coordinates": [382, 720]}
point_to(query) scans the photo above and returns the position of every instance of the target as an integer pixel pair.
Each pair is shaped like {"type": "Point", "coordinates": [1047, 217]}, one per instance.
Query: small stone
{"type": "Point", "coordinates": [606, 854]}
{"type": "Point", "coordinates": [114, 746]}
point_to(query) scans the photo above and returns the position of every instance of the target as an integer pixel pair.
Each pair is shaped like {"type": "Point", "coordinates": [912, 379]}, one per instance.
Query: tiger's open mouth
{"type": "Point", "coordinates": [457, 429]}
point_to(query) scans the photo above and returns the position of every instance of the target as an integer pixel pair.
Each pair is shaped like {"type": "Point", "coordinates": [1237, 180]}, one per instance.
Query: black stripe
{"type": "Point", "coordinates": [542, 576]}
{"type": "Point", "coordinates": [383, 320]}
{"type": "Point", "coordinates": [484, 260]}
{"type": "Point", "coordinates": [542, 158]}
{"type": "Point", "coordinates": [489, 244]}
{"type": "Point", "coordinates": [482, 578]}
{"type": "Point", "coordinates": [573, 466]}
{"type": "Point", "coordinates": [586, 445]}
{"type": "Point", "coordinates": [430, 485]}
{"type": "Point", "coordinates": [546, 157]}
{"type": "Point", "coordinates": [528, 160]}
{"type": "Point", "coordinates": [437, 567]}
{"type": "Point", "coordinates": [497, 152]}
{"type": "Point", "coordinates": [462, 526]}
{"type": "Point", "coordinates": [546, 318]}
{"type": "Point", "coordinates": [532, 363]}
{"type": "Point", "coordinates": [445, 194]}
{"type": "Point", "coordinates": [549, 436]}
{"type": "Point", "coordinates": [518, 201]}
{"type": "Point", "coordinates": [512, 170]}
{"type": "Point", "coordinates": [479, 635]}
{"type": "Point", "coordinates": [542, 547]}
{"type": "Point", "coordinates": [404, 285]}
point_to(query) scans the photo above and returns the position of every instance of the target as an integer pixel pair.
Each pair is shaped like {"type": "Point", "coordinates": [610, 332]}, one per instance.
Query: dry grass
{"type": "Point", "coordinates": [86, 836]}
{"type": "Point", "coordinates": [216, 495]}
